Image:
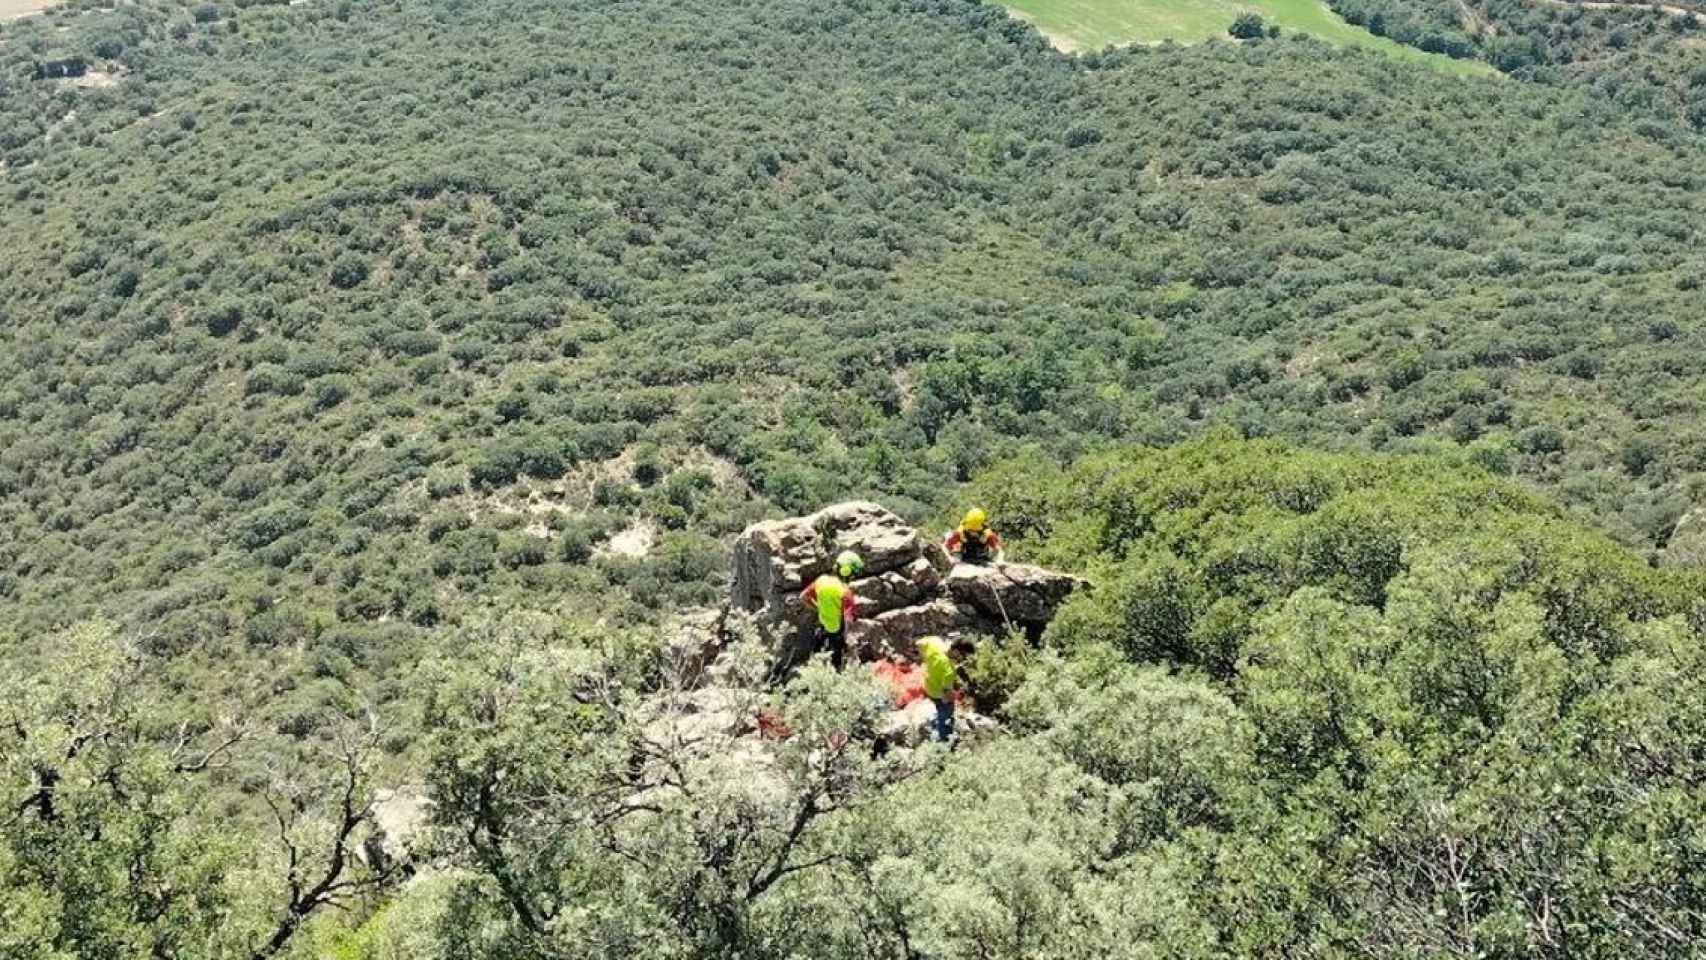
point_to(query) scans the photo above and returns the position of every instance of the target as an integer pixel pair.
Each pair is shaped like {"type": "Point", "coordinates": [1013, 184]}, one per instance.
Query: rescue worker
{"type": "Point", "coordinates": [941, 678]}
{"type": "Point", "coordinates": [972, 541]}
{"type": "Point", "coordinates": [836, 606]}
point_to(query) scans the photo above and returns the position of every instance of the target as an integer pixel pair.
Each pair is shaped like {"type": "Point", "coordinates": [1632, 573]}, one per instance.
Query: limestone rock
{"type": "Point", "coordinates": [701, 716]}
{"type": "Point", "coordinates": [909, 588]}
{"type": "Point", "coordinates": [910, 726]}
{"type": "Point", "coordinates": [399, 818]}
{"type": "Point", "coordinates": [694, 640]}
{"type": "Point", "coordinates": [1013, 592]}
{"type": "Point", "coordinates": [896, 632]}
{"type": "Point", "coordinates": [909, 585]}
{"type": "Point", "coordinates": [773, 561]}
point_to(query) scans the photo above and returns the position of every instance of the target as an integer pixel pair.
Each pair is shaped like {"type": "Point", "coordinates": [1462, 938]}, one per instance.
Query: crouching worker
{"type": "Point", "coordinates": [972, 541]}
{"type": "Point", "coordinates": [833, 599]}
{"type": "Point", "coordinates": [942, 679]}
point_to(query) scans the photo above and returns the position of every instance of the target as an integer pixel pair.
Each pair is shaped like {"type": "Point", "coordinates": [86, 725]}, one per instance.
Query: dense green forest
{"type": "Point", "coordinates": [368, 363]}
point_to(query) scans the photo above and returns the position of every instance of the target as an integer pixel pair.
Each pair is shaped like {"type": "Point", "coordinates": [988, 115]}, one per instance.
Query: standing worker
{"type": "Point", "coordinates": [836, 605]}
{"type": "Point", "coordinates": [972, 541]}
{"type": "Point", "coordinates": [941, 678]}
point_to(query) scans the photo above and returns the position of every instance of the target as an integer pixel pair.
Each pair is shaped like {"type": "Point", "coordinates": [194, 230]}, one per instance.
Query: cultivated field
{"type": "Point", "coordinates": [12, 9]}
{"type": "Point", "coordinates": [1092, 24]}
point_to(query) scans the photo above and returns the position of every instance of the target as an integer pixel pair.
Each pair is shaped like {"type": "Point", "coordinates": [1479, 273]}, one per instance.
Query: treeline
{"type": "Point", "coordinates": [1643, 56]}
{"type": "Point", "coordinates": [1434, 27]}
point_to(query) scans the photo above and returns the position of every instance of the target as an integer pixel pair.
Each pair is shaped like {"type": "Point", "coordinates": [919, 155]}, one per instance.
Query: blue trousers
{"type": "Point", "coordinates": [943, 726]}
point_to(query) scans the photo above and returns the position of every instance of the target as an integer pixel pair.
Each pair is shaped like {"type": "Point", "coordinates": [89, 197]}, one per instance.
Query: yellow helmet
{"type": "Point", "coordinates": [849, 564]}
{"type": "Point", "coordinates": [975, 519]}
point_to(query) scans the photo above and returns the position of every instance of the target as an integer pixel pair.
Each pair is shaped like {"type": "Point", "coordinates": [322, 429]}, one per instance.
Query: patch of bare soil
{"type": "Point", "coordinates": [1302, 363]}
{"type": "Point", "coordinates": [634, 543]}
{"type": "Point", "coordinates": [96, 79]}
{"type": "Point", "coordinates": [13, 9]}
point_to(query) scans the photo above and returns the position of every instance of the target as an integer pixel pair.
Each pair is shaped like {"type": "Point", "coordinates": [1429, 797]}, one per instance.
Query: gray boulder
{"type": "Point", "coordinates": [909, 588]}
{"type": "Point", "coordinates": [895, 633]}
{"type": "Point", "coordinates": [696, 638]}
{"type": "Point", "coordinates": [777, 557]}
{"type": "Point", "coordinates": [1012, 593]}
{"type": "Point", "coordinates": [398, 819]}
{"type": "Point", "coordinates": [914, 583]}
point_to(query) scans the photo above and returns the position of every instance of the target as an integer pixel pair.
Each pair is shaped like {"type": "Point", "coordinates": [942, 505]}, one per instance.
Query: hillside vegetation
{"type": "Point", "coordinates": [306, 345]}
{"type": "Point", "coordinates": [1650, 58]}
{"type": "Point", "coordinates": [1314, 705]}
{"type": "Point", "coordinates": [378, 378]}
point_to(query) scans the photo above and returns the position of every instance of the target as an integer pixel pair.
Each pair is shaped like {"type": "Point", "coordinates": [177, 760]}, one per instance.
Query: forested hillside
{"type": "Point", "coordinates": [327, 323]}
{"type": "Point", "coordinates": [378, 377]}
{"type": "Point", "coordinates": [1649, 58]}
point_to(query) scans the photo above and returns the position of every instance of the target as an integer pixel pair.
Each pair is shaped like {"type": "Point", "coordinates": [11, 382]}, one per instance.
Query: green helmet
{"type": "Point", "coordinates": [849, 564]}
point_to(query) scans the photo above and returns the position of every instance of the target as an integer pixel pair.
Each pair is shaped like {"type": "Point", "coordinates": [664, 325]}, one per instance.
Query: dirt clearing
{"type": "Point", "coordinates": [13, 9]}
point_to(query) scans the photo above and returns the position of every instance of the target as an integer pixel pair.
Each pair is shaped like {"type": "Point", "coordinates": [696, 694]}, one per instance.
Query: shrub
{"type": "Point", "coordinates": [522, 550]}
{"type": "Point", "coordinates": [1247, 26]}
{"type": "Point", "coordinates": [223, 318]}
{"type": "Point", "coordinates": [268, 524]}
{"type": "Point", "coordinates": [445, 483]}
{"type": "Point", "coordinates": [331, 391]}
{"type": "Point", "coordinates": [648, 465]}
{"type": "Point", "coordinates": [1540, 440]}
{"type": "Point", "coordinates": [348, 272]}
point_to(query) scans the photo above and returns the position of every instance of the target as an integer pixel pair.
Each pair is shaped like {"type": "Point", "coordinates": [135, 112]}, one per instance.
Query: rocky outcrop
{"type": "Point", "coordinates": [695, 638]}
{"type": "Point", "coordinates": [774, 560]}
{"type": "Point", "coordinates": [911, 725]}
{"type": "Point", "coordinates": [718, 709]}
{"type": "Point", "coordinates": [1010, 593]}
{"type": "Point", "coordinates": [399, 818]}
{"type": "Point", "coordinates": [909, 588]}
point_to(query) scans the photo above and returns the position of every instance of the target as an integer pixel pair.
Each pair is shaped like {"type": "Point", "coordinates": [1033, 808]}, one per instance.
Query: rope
{"type": "Point", "coordinates": [1002, 606]}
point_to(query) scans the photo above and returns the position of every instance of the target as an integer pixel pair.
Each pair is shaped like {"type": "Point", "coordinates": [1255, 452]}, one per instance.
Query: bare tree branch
{"type": "Point", "coordinates": [354, 810]}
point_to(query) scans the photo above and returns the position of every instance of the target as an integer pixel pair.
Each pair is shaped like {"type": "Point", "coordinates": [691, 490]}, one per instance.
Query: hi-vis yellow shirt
{"type": "Point", "coordinates": [834, 601]}
{"type": "Point", "coordinates": [939, 673]}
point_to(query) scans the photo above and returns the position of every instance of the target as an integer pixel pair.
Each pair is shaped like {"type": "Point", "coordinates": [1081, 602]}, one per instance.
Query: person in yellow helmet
{"type": "Point", "coordinates": [941, 678]}
{"type": "Point", "coordinates": [831, 595]}
{"type": "Point", "coordinates": [973, 541]}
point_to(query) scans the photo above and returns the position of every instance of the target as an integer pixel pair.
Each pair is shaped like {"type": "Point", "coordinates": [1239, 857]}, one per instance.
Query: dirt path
{"type": "Point", "coordinates": [1669, 8]}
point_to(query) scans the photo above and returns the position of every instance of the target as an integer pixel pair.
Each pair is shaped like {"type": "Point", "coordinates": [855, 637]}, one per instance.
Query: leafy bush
{"type": "Point", "coordinates": [350, 271]}
{"type": "Point", "coordinates": [1248, 26]}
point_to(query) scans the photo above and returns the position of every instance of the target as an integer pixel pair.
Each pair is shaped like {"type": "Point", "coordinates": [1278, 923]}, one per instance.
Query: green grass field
{"type": "Point", "coordinates": [1092, 24]}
